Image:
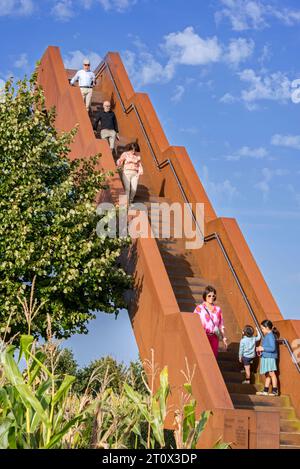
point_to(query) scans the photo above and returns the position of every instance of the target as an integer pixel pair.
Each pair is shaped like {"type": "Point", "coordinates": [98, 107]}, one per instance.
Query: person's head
{"type": "Point", "coordinates": [106, 106]}
{"type": "Point", "coordinates": [133, 147]}
{"type": "Point", "coordinates": [86, 64]}
{"type": "Point", "coordinates": [267, 327]}
{"type": "Point", "coordinates": [248, 331]}
{"type": "Point", "coordinates": [209, 294]}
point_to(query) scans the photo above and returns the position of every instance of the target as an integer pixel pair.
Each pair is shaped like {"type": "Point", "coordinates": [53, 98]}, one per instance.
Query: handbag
{"type": "Point", "coordinates": [217, 330]}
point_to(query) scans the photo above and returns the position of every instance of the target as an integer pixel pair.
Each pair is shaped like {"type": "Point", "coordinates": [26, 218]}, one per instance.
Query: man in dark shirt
{"type": "Point", "coordinates": [109, 125]}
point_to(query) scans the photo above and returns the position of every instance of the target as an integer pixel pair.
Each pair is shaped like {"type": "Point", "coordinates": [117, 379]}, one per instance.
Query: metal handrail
{"type": "Point", "coordinates": [217, 237]}
{"type": "Point", "coordinates": [208, 238]}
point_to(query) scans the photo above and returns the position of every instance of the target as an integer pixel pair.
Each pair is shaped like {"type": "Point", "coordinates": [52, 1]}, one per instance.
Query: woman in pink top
{"type": "Point", "coordinates": [212, 319]}
{"type": "Point", "coordinates": [132, 169]}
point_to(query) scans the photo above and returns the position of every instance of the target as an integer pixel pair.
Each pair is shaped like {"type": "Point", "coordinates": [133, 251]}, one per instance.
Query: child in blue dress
{"type": "Point", "coordinates": [269, 355]}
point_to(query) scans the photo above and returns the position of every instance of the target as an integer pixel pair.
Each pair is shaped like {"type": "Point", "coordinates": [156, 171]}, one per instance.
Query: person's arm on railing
{"type": "Point", "coordinates": [97, 120]}
{"type": "Point", "coordinates": [121, 160]}
{"type": "Point", "coordinates": [269, 344]}
{"type": "Point", "coordinates": [116, 126]}
{"type": "Point", "coordinates": [74, 79]}
{"type": "Point", "coordinates": [140, 169]}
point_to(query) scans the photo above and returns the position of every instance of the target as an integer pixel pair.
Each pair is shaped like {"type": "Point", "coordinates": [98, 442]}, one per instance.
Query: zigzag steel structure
{"type": "Point", "coordinates": [169, 279]}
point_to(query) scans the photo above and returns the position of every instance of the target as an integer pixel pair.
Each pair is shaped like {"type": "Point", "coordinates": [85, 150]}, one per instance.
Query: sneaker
{"type": "Point", "coordinates": [262, 393]}
{"type": "Point", "coordinates": [246, 381]}
{"type": "Point", "coordinates": [274, 393]}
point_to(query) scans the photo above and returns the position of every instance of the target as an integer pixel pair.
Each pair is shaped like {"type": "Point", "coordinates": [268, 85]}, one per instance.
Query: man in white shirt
{"type": "Point", "coordinates": [87, 81]}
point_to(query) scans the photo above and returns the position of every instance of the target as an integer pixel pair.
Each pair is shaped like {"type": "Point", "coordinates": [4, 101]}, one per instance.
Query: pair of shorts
{"type": "Point", "coordinates": [247, 361]}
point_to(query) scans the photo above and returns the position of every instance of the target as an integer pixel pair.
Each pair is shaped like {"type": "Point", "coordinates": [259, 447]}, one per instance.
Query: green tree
{"type": "Point", "coordinates": [104, 369]}
{"type": "Point", "coordinates": [48, 222]}
{"type": "Point", "coordinates": [134, 376]}
{"type": "Point", "coordinates": [66, 363]}
{"type": "Point", "coordinates": [116, 373]}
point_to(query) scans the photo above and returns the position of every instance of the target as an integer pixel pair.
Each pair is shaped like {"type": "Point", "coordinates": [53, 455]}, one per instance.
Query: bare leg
{"type": "Point", "coordinates": [247, 369]}
{"type": "Point", "coordinates": [274, 379]}
{"type": "Point", "coordinates": [268, 380]}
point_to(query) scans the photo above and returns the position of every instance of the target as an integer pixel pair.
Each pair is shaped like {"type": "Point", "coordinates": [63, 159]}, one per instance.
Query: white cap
{"type": "Point", "coordinates": [86, 62]}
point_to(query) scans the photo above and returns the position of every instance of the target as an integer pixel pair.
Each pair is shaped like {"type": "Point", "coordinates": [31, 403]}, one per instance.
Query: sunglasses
{"type": "Point", "coordinates": [212, 296]}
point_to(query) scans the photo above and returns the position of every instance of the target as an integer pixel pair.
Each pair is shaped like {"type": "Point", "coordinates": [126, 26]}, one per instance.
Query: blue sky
{"type": "Point", "coordinates": [220, 74]}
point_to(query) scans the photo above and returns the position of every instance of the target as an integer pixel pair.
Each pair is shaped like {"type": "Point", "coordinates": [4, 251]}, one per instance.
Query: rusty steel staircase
{"type": "Point", "coordinates": [169, 279]}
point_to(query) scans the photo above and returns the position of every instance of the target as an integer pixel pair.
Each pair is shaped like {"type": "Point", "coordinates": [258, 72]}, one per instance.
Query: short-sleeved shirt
{"type": "Point", "coordinates": [212, 320]}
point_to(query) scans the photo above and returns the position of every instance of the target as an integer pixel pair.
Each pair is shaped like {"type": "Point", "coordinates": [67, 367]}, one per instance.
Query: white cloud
{"type": "Point", "coordinates": [75, 58]}
{"type": "Point", "coordinates": [185, 47]}
{"type": "Point", "coordinates": [253, 14]}
{"type": "Point", "coordinates": [243, 14]}
{"type": "Point", "coordinates": [181, 48]}
{"type": "Point", "coordinates": [66, 9]}
{"type": "Point", "coordinates": [275, 87]}
{"type": "Point", "coordinates": [294, 192]}
{"type": "Point", "coordinates": [22, 61]}
{"type": "Point", "coordinates": [269, 87]}
{"type": "Point", "coordinates": [178, 94]}
{"type": "Point", "coordinates": [289, 141]}
{"type": "Point", "coordinates": [287, 16]}
{"type": "Point", "coordinates": [239, 50]}
{"type": "Point", "coordinates": [228, 99]}
{"type": "Point", "coordinates": [247, 152]}
{"type": "Point", "coordinates": [16, 7]}
{"type": "Point", "coordinates": [267, 176]}
{"type": "Point", "coordinates": [265, 54]}
{"type": "Point", "coordinates": [219, 190]}
{"type": "Point", "coordinates": [188, 48]}
{"type": "Point", "coordinates": [144, 69]}
{"type": "Point", "coordinates": [117, 5]}
{"type": "Point", "coordinates": [63, 10]}
{"type": "Point", "coordinates": [87, 3]}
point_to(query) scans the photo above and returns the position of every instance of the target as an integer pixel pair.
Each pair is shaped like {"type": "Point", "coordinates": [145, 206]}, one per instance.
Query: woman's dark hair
{"type": "Point", "coordinates": [267, 323]}
{"type": "Point", "coordinates": [133, 146]}
{"type": "Point", "coordinates": [209, 289]}
{"type": "Point", "coordinates": [248, 331]}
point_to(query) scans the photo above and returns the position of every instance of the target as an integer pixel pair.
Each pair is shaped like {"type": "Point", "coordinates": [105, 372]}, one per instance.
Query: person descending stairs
{"type": "Point", "coordinates": [188, 286]}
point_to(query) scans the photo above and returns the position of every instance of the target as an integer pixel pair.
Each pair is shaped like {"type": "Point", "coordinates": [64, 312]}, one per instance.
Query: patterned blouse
{"type": "Point", "coordinates": [131, 162]}
{"type": "Point", "coordinates": [212, 320]}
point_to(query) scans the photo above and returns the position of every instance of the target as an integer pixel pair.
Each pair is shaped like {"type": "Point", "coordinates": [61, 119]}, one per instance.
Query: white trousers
{"type": "Point", "coordinates": [130, 180]}
{"type": "Point", "coordinates": [110, 136]}
{"type": "Point", "coordinates": [86, 93]}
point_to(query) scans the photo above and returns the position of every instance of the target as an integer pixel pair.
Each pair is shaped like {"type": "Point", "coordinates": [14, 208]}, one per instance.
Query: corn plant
{"type": "Point", "coordinates": [153, 408]}
{"type": "Point", "coordinates": [31, 404]}
{"type": "Point", "coordinates": [188, 428]}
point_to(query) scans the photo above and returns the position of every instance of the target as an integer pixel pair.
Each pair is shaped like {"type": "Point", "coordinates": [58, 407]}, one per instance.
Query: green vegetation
{"type": "Point", "coordinates": [48, 222]}
{"type": "Point", "coordinates": [105, 405]}
{"type": "Point", "coordinates": [48, 242]}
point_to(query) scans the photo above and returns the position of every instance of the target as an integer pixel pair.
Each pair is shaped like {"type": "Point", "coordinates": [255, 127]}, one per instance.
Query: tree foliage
{"type": "Point", "coordinates": [48, 222]}
{"type": "Point", "coordinates": [116, 373]}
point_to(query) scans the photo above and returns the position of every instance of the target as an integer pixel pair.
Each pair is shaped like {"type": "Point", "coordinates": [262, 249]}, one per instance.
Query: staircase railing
{"type": "Point", "coordinates": [213, 236]}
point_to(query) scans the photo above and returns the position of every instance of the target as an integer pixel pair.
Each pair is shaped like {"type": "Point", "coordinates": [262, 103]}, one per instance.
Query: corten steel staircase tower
{"type": "Point", "coordinates": [169, 279]}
